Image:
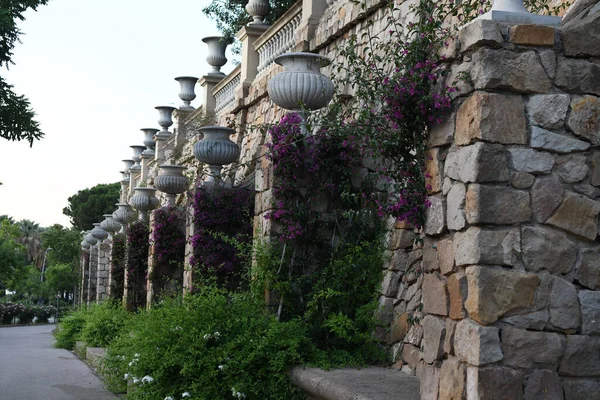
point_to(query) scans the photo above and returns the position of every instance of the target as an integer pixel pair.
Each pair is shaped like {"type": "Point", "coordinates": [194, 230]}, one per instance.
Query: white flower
{"type": "Point", "coordinates": [135, 380]}
{"type": "Point", "coordinates": [136, 355]}
{"type": "Point", "coordinates": [207, 336]}
{"type": "Point", "coordinates": [177, 328]}
{"type": "Point", "coordinates": [216, 334]}
{"type": "Point", "coordinates": [147, 379]}
{"type": "Point", "coordinates": [186, 394]}
{"type": "Point", "coordinates": [169, 398]}
{"type": "Point", "coordinates": [125, 376]}
{"type": "Point", "coordinates": [131, 362]}
{"type": "Point", "coordinates": [237, 394]}
{"type": "Point", "coordinates": [221, 367]}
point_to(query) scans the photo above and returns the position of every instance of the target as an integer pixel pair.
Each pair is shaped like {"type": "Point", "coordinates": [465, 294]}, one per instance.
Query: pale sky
{"type": "Point", "coordinates": [93, 71]}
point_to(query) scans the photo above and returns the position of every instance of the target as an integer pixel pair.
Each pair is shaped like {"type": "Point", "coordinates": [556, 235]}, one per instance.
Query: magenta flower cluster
{"type": "Point", "coordinates": [223, 220]}
{"type": "Point", "coordinates": [137, 251]}
{"type": "Point", "coordinates": [168, 235]}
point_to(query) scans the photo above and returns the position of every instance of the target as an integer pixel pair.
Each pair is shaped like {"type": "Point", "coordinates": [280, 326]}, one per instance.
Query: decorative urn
{"type": "Point", "coordinates": [98, 232]}
{"type": "Point", "coordinates": [165, 119]}
{"type": "Point", "coordinates": [216, 53]}
{"type": "Point", "coordinates": [258, 9]}
{"type": "Point", "coordinates": [149, 141]}
{"type": "Point", "coordinates": [137, 157]}
{"type": "Point", "coordinates": [124, 178]}
{"type": "Point", "coordinates": [170, 180]}
{"type": "Point", "coordinates": [128, 164]}
{"type": "Point", "coordinates": [124, 214]}
{"type": "Point", "coordinates": [301, 84]}
{"type": "Point", "coordinates": [186, 91]}
{"type": "Point", "coordinates": [216, 150]}
{"type": "Point", "coordinates": [90, 239]}
{"type": "Point", "coordinates": [109, 224]}
{"type": "Point", "coordinates": [85, 246]}
{"type": "Point", "coordinates": [144, 200]}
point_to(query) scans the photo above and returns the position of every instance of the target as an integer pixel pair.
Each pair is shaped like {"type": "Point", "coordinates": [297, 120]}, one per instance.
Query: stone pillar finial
{"type": "Point", "coordinates": [514, 12]}
{"type": "Point", "coordinates": [258, 9]}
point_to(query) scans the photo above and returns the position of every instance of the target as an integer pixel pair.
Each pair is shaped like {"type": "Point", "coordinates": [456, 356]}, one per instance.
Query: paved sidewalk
{"type": "Point", "coordinates": [31, 369]}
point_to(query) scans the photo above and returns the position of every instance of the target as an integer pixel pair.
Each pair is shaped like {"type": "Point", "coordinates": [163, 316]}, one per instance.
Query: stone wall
{"type": "Point", "coordinates": [92, 276]}
{"type": "Point", "coordinates": [511, 257]}
{"type": "Point", "coordinates": [102, 276]}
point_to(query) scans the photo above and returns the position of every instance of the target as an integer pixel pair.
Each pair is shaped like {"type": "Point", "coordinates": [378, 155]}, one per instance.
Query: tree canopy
{"type": "Point", "coordinates": [88, 205]}
{"type": "Point", "coordinates": [16, 116]}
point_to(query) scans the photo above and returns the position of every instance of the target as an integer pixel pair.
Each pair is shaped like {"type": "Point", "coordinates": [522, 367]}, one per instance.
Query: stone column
{"type": "Point", "coordinates": [511, 294]}
{"type": "Point", "coordinates": [102, 281]}
{"type": "Point", "coordinates": [146, 159]}
{"type": "Point", "coordinates": [208, 83]}
{"type": "Point", "coordinates": [248, 35]}
{"type": "Point", "coordinates": [92, 275]}
{"type": "Point", "coordinates": [190, 231]}
{"type": "Point", "coordinates": [312, 10]}
{"type": "Point", "coordinates": [83, 290]}
{"type": "Point", "coordinates": [150, 285]}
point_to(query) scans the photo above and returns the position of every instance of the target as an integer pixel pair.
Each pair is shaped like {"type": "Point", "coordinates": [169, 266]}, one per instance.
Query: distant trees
{"type": "Point", "coordinates": [16, 116]}
{"type": "Point", "coordinates": [88, 205]}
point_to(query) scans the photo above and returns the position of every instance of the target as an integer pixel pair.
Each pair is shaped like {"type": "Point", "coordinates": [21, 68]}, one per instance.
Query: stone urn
{"type": "Point", "coordinates": [144, 200]}
{"type": "Point", "coordinates": [216, 53]}
{"type": "Point", "coordinates": [149, 141]}
{"type": "Point", "coordinates": [137, 157]}
{"type": "Point", "coordinates": [258, 9]}
{"type": "Point", "coordinates": [216, 150]}
{"type": "Point", "coordinates": [170, 180]}
{"type": "Point", "coordinates": [98, 232]}
{"type": "Point", "coordinates": [90, 239]}
{"type": "Point", "coordinates": [85, 246]}
{"type": "Point", "coordinates": [128, 164]}
{"type": "Point", "coordinates": [165, 119]}
{"type": "Point", "coordinates": [186, 91]}
{"type": "Point", "coordinates": [109, 224]}
{"type": "Point", "coordinates": [301, 84]}
{"type": "Point", "coordinates": [124, 214]}
{"type": "Point", "coordinates": [124, 178]}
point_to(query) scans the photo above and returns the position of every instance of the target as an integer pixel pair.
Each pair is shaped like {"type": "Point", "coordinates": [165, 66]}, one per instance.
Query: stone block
{"type": "Point", "coordinates": [495, 291]}
{"type": "Point", "coordinates": [475, 344]}
{"type": "Point", "coordinates": [455, 208]}
{"type": "Point", "coordinates": [578, 76]}
{"type": "Point", "coordinates": [571, 168]}
{"type": "Point", "coordinates": [564, 306]}
{"type": "Point", "coordinates": [433, 171]}
{"type": "Point", "coordinates": [580, 357]}
{"type": "Point", "coordinates": [457, 294]}
{"type": "Point", "coordinates": [595, 162]}
{"type": "Point", "coordinates": [581, 389]}
{"type": "Point", "coordinates": [452, 380]}
{"type": "Point", "coordinates": [414, 335]}
{"type": "Point", "coordinates": [590, 312]}
{"type": "Point", "coordinates": [401, 239]}
{"type": "Point", "coordinates": [435, 295]}
{"type": "Point", "coordinates": [389, 286]}
{"type": "Point", "coordinates": [445, 256]}
{"type": "Point", "coordinates": [547, 249]}
{"type": "Point", "coordinates": [548, 59]}
{"type": "Point", "coordinates": [434, 333]}
{"type": "Point", "coordinates": [584, 119]}
{"type": "Point", "coordinates": [546, 196]}
{"type": "Point", "coordinates": [430, 380]}
{"type": "Point", "coordinates": [536, 320]}
{"type": "Point", "coordinates": [411, 355]}
{"type": "Point", "coordinates": [508, 70]}
{"type": "Point", "coordinates": [430, 260]}
{"type": "Point", "coordinates": [546, 140]}
{"type": "Point", "coordinates": [449, 338]}
{"type": "Point", "coordinates": [435, 219]}
{"type": "Point", "coordinates": [398, 261]}
{"type": "Point", "coordinates": [494, 383]}
{"type": "Point", "coordinates": [548, 110]}
{"type": "Point", "coordinates": [581, 36]}
{"type": "Point", "coordinates": [385, 311]}
{"type": "Point", "coordinates": [443, 133]}
{"type": "Point", "coordinates": [531, 35]}
{"type": "Point", "coordinates": [479, 162]}
{"type": "Point", "coordinates": [491, 117]}
{"type": "Point", "coordinates": [485, 246]}
{"type": "Point", "coordinates": [588, 272]}
{"type": "Point", "coordinates": [577, 214]}
{"type": "Point", "coordinates": [525, 349]}
{"type": "Point", "coordinates": [532, 161]}
{"type": "Point", "coordinates": [480, 33]}
{"type": "Point", "coordinates": [398, 329]}
{"type": "Point", "coordinates": [543, 384]}
{"type": "Point", "coordinates": [496, 205]}
{"type": "Point", "coordinates": [521, 180]}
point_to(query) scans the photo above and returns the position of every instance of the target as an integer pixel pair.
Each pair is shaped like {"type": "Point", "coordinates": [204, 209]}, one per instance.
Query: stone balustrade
{"type": "Point", "coordinates": [224, 91]}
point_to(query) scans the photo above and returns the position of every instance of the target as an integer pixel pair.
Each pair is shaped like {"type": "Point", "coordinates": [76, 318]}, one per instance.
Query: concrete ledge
{"type": "Point", "coordinates": [370, 383]}
{"type": "Point", "coordinates": [94, 355]}
{"type": "Point", "coordinates": [79, 349]}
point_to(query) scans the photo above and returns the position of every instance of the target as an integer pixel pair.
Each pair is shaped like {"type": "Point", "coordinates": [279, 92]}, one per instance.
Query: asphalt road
{"type": "Point", "coordinates": [31, 369]}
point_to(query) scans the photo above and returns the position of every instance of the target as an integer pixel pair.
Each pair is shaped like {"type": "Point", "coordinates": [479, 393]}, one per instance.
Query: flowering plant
{"type": "Point", "coordinates": [168, 235]}
{"type": "Point", "coordinates": [118, 266]}
{"type": "Point", "coordinates": [137, 262]}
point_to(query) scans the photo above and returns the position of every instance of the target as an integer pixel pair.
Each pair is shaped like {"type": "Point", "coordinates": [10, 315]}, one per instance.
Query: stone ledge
{"type": "Point", "coordinates": [94, 355]}
{"type": "Point", "coordinates": [371, 383]}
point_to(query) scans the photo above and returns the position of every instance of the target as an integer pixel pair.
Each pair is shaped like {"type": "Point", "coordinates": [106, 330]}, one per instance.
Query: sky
{"type": "Point", "coordinates": [93, 71]}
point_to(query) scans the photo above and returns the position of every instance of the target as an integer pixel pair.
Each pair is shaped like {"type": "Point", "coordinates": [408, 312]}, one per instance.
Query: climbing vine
{"type": "Point", "coordinates": [137, 263]}
{"type": "Point", "coordinates": [118, 266]}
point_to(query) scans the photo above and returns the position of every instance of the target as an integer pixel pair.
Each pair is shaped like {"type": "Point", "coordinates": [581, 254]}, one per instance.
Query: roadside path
{"type": "Point", "coordinates": [31, 369]}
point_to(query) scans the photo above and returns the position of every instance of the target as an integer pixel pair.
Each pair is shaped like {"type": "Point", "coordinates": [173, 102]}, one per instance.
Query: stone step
{"type": "Point", "coordinates": [370, 383]}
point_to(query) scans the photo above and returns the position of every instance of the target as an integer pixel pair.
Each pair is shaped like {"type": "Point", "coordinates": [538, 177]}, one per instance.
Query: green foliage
{"type": "Point", "coordinates": [69, 329]}
{"type": "Point", "coordinates": [212, 344]}
{"type": "Point", "coordinates": [88, 205]}
{"type": "Point", "coordinates": [12, 254]}
{"type": "Point", "coordinates": [231, 16]}
{"type": "Point", "coordinates": [16, 116]}
{"type": "Point", "coordinates": [118, 267]}
{"type": "Point", "coordinates": [65, 244]}
{"type": "Point", "coordinates": [60, 278]}
{"type": "Point", "coordinates": [103, 323]}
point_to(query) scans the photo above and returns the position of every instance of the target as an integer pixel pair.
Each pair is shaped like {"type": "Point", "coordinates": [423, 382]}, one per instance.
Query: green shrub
{"type": "Point", "coordinates": [213, 345]}
{"type": "Point", "coordinates": [43, 313]}
{"type": "Point", "coordinates": [103, 324]}
{"type": "Point", "coordinates": [69, 329]}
